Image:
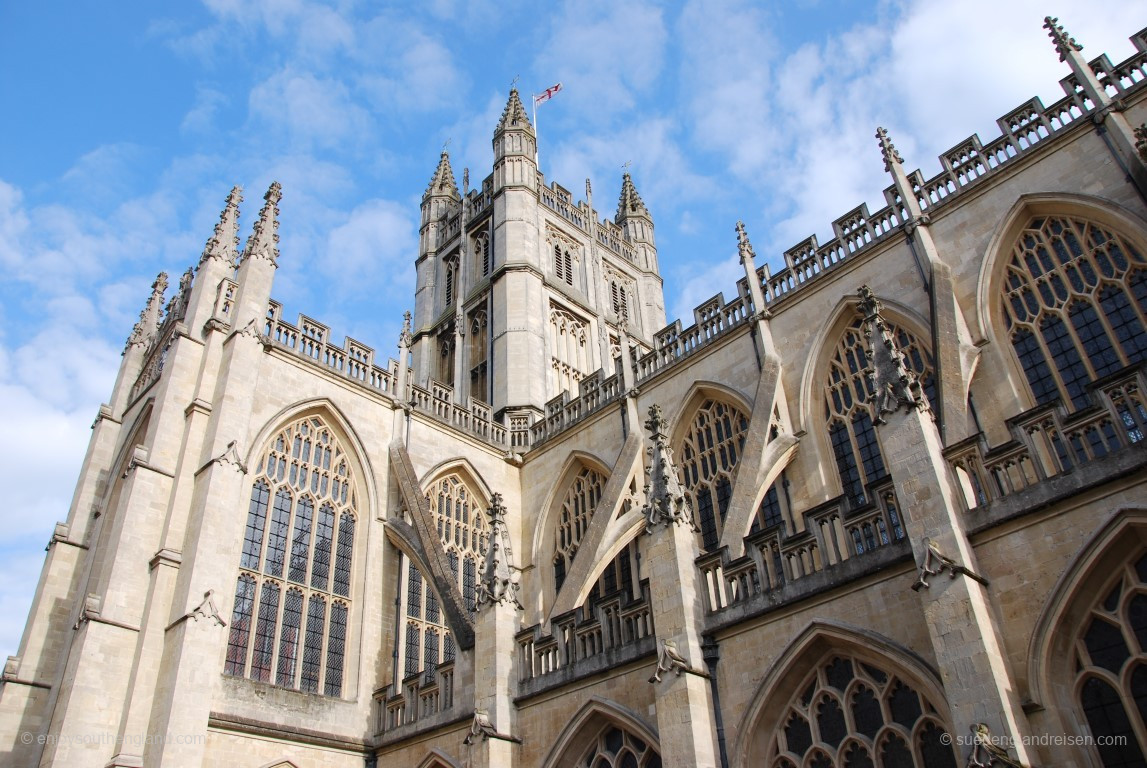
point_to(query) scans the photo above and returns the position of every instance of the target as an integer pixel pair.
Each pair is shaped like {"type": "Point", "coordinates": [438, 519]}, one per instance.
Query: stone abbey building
{"type": "Point", "coordinates": [889, 495]}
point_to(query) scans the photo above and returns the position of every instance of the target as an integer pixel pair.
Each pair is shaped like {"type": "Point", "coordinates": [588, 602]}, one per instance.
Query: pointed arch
{"type": "Point", "coordinates": [835, 393]}
{"type": "Point", "coordinates": [293, 621]}
{"type": "Point", "coordinates": [358, 455]}
{"type": "Point", "coordinates": [279, 764]}
{"type": "Point", "coordinates": [462, 466]}
{"type": "Point", "coordinates": [1114, 542]}
{"type": "Point", "coordinates": [436, 758]}
{"type": "Point", "coordinates": [542, 544]}
{"type": "Point", "coordinates": [708, 438]}
{"type": "Point", "coordinates": [591, 719]}
{"type": "Point", "coordinates": [1073, 325]}
{"type": "Point", "coordinates": [820, 641]}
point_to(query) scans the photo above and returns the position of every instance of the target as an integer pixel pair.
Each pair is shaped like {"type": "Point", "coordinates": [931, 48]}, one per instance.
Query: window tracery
{"type": "Point", "coordinates": [618, 748]}
{"type": "Point", "coordinates": [848, 411]}
{"type": "Point", "coordinates": [300, 522]}
{"type": "Point", "coordinates": [1074, 305]}
{"type": "Point", "coordinates": [569, 355]}
{"type": "Point", "coordinates": [709, 454]}
{"type": "Point", "coordinates": [851, 713]}
{"type": "Point", "coordinates": [1111, 667]}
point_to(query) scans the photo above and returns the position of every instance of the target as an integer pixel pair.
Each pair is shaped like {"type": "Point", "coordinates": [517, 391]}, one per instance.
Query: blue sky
{"type": "Point", "coordinates": [126, 124]}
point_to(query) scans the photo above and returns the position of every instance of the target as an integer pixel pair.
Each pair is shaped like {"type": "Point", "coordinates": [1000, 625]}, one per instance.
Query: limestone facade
{"type": "Point", "coordinates": [883, 498]}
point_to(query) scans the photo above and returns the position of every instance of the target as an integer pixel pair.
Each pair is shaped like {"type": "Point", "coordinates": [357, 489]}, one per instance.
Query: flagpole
{"type": "Point", "coordinates": [534, 104]}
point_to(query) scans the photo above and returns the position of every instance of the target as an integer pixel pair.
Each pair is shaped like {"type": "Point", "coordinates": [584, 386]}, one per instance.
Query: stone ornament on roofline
{"type": "Point", "coordinates": [499, 582]}
{"type": "Point", "coordinates": [1064, 43]}
{"type": "Point", "coordinates": [894, 384]}
{"type": "Point", "coordinates": [665, 500]}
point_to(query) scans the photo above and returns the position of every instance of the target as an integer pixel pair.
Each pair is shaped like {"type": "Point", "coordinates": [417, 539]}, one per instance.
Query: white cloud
{"type": "Point", "coordinates": [307, 111]}
{"type": "Point", "coordinates": [201, 117]}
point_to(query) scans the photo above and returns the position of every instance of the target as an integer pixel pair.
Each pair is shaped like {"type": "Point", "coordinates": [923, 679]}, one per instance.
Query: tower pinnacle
{"type": "Point", "coordinates": [263, 242]}
{"type": "Point", "coordinates": [1064, 43]}
{"type": "Point", "coordinates": [442, 182]}
{"type": "Point", "coordinates": [888, 150]}
{"type": "Point", "coordinates": [224, 242]}
{"type": "Point", "coordinates": [630, 203]}
{"type": "Point", "coordinates": [514, 115]}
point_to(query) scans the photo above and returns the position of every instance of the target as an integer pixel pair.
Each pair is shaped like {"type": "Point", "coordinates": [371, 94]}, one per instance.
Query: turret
{"type": "Point", "coordinates": [515, 148]}
{"type": "Point", "coordinates": [637, 224]}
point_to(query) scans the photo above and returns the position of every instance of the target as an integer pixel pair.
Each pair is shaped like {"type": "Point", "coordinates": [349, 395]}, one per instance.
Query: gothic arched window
{"type": "Point", "coordinates": [1074, 305]}
{"type": "Point", "coordinates": [851, 713]}
{"type": "Point", "coordinates": [292, 601]}
{"type": "Point", "coordinates": [479, 339]}
{"type": "Point", "coordinates": [426, 641]}
{"type": "Point", "coordinates": [482, 246]}
{"type": "Point", "coordinates": [848, 411]}
{"type": "Point", "coordinates": [1111, 667]}
{"type": "Point", "coordinates": [577, 509]}
{"type": "Point", "coordinates": [460, 517]}
{"type": "Point", "coordinates": [708, 460]}
{"type": "Point", "coordinates": [617, 748]}
{"type": "Point", "coordinates": [569, 356]}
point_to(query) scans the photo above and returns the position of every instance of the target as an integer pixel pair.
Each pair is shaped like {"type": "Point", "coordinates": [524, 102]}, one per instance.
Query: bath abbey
{"type": "Point", "coordinates": [884, 504]}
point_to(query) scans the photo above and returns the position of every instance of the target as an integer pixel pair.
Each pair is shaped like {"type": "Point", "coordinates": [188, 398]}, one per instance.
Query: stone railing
{"type": "Point", "coordinates": [584, 640]}
{"type": "Point", "coordinates": [1049, 440]}
{"type": "Point", "coordinates": [595, 392]}
{"type": "Point", "coordinates": [712, 320]}
{"type": "Point", "coordinates": [354, 361]}
{"type": "Point", "coordinates": [833, 535]}
{"type": "Point", "coordinates": [475, 419]}
{"type": "Point", "coordinates": [426, 696]}
{"type": "Point", "coordinates": [560, 201]}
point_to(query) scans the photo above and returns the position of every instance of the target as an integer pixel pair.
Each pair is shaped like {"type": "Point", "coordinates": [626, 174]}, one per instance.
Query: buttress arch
{"type": "Point", "coordinates": [821, 639]}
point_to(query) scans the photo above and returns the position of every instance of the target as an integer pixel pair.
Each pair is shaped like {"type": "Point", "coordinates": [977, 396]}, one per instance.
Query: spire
{"type": "Point", "coordinates": [225, 241]}
{"type": "Point", "coordinates": [888, 150]}
{"type": "Point", "coordinates": [1064, 43]}
{"type": "Point", "coordinates": [442, 182]}
{"type": "Point", "coordinates": [263, 242]}
{"type": "Point", "coordinates": [630, 203]}
{"type": "Point", "coordinates": [514, 115]}
{"type": "Point", "coordinates": [894, 384]}
{"type": "Point", "coordinates": [145, 328]}
{"type": "Point", "coordinates": [665, 500]}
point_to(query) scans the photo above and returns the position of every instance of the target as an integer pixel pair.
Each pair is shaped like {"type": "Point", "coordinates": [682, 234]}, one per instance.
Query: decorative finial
{"type": "Point", "coordinates": [445, 145]}
{"type": "Point", "coordinates": [144, 331]}
{"type": "Point", "coordinates": [893, 384]}
{"type": "Point", "coordinates": [514, 83]}
{"type": "Point", "coordinates": [888, 150]}
{"type": "Point", "coordinates": [1064, 43]}
{"type": "Point", "coordinates": [1141, 141]}
{"type": "Point", "coordinates": [225, 240]}
{"type": "Point", "coordinates": [465, 180]}
{"type": "Point", "coordinates": [588, 190]}
{"type": "Point", "coordinates": [499, 583]}
{"type": "Point", "coordinates": [404, 337]}
{"type": "Point", "coordinates": [665, 500]}
{"type": "Point", "coordinates": [263, 243]}
{"type": "Point", "coordinates": [744, 247]}
{"type": "Point", "coordinates": [625, 166]}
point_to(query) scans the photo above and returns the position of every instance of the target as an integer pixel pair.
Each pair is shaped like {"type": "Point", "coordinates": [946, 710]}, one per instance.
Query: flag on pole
{"type": "Point", "coordinates": [548, 94]}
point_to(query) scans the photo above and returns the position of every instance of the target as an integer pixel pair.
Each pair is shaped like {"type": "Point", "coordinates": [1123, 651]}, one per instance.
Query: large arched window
{"type": "Point", "coordinates": [425, 640]}
{"type": "Point", "coordinates": [1110, 664]}
{"type": "Point", "coordinates": [292, 602]}
{"type": "Point", "coordinates": [848, 412]}
{"type": "Point", "coordinates": [851, 713]}
{"type": "Point", "coordinates": [708, 458]}
{"type": "Point", "coordinates": [1074, 305]}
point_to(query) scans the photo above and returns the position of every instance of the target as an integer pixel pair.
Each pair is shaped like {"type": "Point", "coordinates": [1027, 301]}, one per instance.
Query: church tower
{"type": "Point", "coordinates": [522, 292]}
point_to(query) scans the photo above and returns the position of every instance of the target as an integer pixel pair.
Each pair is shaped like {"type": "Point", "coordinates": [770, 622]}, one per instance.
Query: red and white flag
{"type": "Point", "coordinates": [548, 94]}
